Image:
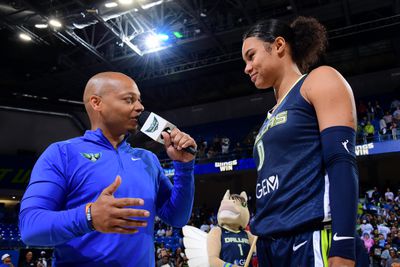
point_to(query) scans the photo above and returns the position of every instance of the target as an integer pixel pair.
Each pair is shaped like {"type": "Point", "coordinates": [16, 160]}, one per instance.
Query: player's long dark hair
{"type": "Point", "coordinates": [305, 35]}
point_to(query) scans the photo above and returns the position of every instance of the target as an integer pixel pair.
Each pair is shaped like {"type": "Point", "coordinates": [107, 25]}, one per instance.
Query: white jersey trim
{"type": "Point", "coordinates": [318, 261]}
{"type": "Point", "coordinates": [327, 207]}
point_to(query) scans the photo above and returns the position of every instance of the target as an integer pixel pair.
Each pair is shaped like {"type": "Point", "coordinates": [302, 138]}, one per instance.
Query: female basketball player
{"type": "Point", "coordinates": [307, 186]}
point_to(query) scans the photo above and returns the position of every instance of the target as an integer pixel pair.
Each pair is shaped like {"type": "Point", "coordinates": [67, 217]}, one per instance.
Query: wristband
{"type": "Point", "coordinates": [89, 216]}
{"type": "Point", "coordinates": [227, 264]}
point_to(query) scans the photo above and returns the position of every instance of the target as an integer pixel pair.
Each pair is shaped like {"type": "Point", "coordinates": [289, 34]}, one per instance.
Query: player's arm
{"type": "Point", "coordinates": [214, 248]}
{"type": "Point", "coordinates": [333, 101]}
{"type": "Point", "coordinates": [41, 220]}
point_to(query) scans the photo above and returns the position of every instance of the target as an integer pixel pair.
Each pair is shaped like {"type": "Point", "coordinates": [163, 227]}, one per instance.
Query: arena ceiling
{"type": "Point", "coordinates": [202, 62]}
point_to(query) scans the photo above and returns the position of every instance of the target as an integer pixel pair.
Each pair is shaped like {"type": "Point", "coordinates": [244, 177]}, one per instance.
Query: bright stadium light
{"type": "Point", "coordinates": [41, 26]}
{"type": "Point", "coordinates": [25, 37]}
{"type": "Point", "coordinates": [55, 23]}
{"type": "Point", "coordinates": [162, 37]}
{"type": "Point", "coordinates": [125, 2]}
{"type": "Point", "coordinates": [151, 4]}
{"type": "Point", "coordinates": [152, 41]}
{"type": "Point", "coordinates": [110, 4]}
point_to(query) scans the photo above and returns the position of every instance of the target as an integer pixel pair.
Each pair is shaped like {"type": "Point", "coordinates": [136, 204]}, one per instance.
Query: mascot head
{"type": "Point", "coordinates": [233, 211]}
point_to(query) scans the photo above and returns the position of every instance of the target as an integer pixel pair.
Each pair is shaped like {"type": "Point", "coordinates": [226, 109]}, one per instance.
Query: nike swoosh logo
{"type": "Point", "coordinates": [135, 159]}
{"type": "Point", "coordinates": [296, 247]}
{"type": "Point", "coordinates": [338, 238]}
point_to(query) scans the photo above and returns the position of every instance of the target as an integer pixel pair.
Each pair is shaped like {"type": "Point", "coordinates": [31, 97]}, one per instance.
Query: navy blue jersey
{"type": "Point", "coordinates": [234, 247]}
{"type": "Point", "coordinates": [292, 188]}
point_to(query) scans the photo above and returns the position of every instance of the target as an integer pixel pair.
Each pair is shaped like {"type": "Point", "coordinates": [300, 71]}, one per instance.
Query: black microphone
{"type": "Point", "coordinates": [153, 125]}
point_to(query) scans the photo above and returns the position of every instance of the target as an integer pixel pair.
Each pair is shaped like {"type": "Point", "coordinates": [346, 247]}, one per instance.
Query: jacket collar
{"type": "Point", "coordinates": [98, 137]}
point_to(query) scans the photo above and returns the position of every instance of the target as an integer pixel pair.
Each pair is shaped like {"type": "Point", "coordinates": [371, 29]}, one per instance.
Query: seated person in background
{"type": "Point", "coordinates": [6, 261]}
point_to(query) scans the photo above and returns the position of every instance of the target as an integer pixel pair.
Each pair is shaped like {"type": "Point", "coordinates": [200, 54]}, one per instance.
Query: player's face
{"type": "Point", "coordinates": [121, 107]}
{"type": "Point", "coordinates": [260, 62]}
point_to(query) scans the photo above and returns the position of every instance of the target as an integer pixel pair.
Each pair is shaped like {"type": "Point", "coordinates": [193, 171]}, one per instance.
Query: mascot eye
{"type": "Point", "coordinates": [244, 204]}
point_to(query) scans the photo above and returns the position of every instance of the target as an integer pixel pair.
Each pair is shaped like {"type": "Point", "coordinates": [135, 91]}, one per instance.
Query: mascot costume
{"type": "Point", "coordinates": [228, 244]}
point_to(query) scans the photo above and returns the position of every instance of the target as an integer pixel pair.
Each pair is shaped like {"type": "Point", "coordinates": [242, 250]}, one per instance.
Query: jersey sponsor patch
{"type": "Point", "coordinates": [267, 186]}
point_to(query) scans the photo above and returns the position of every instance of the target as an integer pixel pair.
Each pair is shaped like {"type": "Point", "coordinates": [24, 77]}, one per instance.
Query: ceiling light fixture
{"type": "Point", "coordinates": [41, 26]}
{"type": "Point", "coordinates": [125, 2]}
{"type": "Point", "coordinates": [111, 4]}
{"type": "Point", "coordinates": [25, 37]}
{"type": "Point", "coordinates": [55, 23]}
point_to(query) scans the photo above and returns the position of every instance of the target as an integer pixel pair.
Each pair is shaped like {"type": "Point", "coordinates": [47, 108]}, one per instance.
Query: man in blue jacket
{"type": "Point", "coordinates": [94, 198]}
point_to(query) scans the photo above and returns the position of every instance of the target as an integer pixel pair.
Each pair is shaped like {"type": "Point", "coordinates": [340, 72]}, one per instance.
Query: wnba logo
{"type": "Point", "coordinates": [267, 185]}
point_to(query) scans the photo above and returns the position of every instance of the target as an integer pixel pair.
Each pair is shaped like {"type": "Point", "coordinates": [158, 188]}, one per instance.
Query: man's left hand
{"type": "Point", "coordinates": [175, 143]}
{"type": "Point", "coordinates": [340, 262]}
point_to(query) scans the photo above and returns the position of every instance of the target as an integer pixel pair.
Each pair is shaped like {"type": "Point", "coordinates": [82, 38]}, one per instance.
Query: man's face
{"type": "Point", "coordinates": [120, 107]}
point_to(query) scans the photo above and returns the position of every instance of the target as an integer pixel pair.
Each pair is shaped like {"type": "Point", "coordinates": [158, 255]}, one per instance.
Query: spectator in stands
{"type": "Point", "coordinates": [168, 233]}
{"type": "Point", "coordinates": [165, 259]}
{"type": "Point", "coordinates": [370, 111]}
{"type": "Point", "coordinates": [28, 262]}
{"type": "Point", "coordinates": [393, 128]}
{"type": "Point", "coordinates": [383, 128]}
{"type": "Point", "coordinates": [180, 258]}
{"type": "Point", "coordinates": [396, 115]}
{"type": "Point", "coordinates": [42, 261]}
{"type": "Point", "coordinates": [376, 195]}
{"type": "Point", "coordinates": [211, 153]}
{"type": "Point", "coordinates": [369, 131]}
{"type": "Point", "coordinates": [385, 254]}
{"type": "Point", "coordinates": [161, 232]}
{"type": "Point", "coordinates": [388, 118]}
{"type": "Point", "coordinates": [368, 241]}
{"type": "Point", "coordinates": [366, 227]}
{"type": "Point", "coordinates": [378, 110]}
{"type": "Point", "coordinates": [394, 258]}
{"type": "Point", "coordinates": [76, 198]}
{"type": "Point", "coordinates": [6, 261]}
{"type": "Point", "coordinates": [238, 150]}
{"type": "Point", "coordinates": [225, 142]}
{"type": "Point", "coordinates": [389, 195]}
{"type": "Point", "coordinates": [395, 104]}
{"type": "Point", "coordinates": [397, 198]}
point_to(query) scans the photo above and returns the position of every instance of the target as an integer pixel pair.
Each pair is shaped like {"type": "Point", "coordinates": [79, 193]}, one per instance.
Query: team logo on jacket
{"type": "Point", "coordinates": [91, 156]}
{"type": "Point", "coordinates": [153, 126]}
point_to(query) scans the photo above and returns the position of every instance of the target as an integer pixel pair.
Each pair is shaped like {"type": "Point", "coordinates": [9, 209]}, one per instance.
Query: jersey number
{"type": "Point", "coordinates": [241, 250]}
{"type": "Point", "coordinates": [260, 150]}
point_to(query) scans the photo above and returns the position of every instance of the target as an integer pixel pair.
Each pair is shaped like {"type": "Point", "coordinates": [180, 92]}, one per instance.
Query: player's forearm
{"type": "Point", "coordinates": [339, 157]}
{"type": "Point", "coordinates": [40, 227]}
{"type": "Point", "coordinates": [178, 207]}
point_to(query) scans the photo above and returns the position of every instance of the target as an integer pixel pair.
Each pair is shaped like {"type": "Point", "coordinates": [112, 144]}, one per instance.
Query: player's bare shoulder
{"type": "Point", "coordinates": [323, 81]}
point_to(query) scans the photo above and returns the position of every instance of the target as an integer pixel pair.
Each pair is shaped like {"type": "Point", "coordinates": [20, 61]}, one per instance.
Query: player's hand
{"type": "Point", "coordinates": [174, 144]}
{"type": "Point", "coordinates": [340, 262]}
{"type": "Point", "coordinates": [110, 215]}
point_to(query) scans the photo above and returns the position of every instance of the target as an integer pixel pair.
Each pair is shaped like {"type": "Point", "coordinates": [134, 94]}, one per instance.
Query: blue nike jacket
{"type": "Point", "coordinates": [72, 173]}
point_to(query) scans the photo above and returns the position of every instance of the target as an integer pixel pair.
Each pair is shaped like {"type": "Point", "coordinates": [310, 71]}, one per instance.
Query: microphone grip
{"type": "Point", "coordinates": [188, 149]}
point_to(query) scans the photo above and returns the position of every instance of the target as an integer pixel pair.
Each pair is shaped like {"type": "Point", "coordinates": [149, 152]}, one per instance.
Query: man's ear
{"type": "Point", "coordinates": [95, 102]}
